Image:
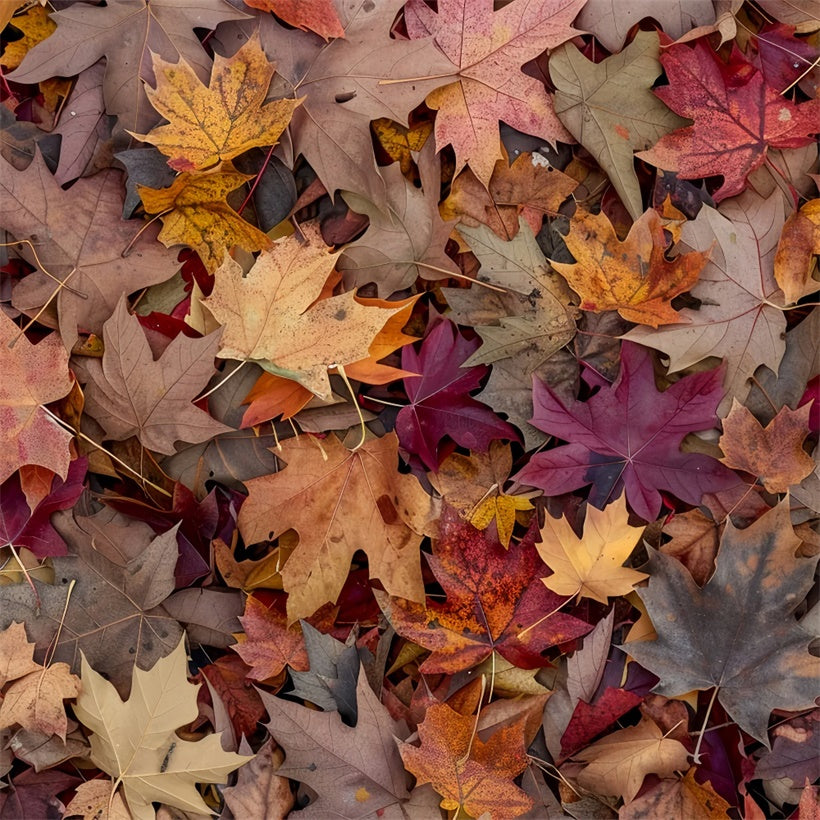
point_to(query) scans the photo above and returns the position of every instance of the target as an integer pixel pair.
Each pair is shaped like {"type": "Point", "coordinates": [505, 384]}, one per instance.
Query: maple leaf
{"type": "Point", "coordinates": [34, 375]}
{"type": "Point", "coordinates": [610, 109]}
{"type": "Point", "coordinates": [94, 798]}
{"type": "Point", "coordinates": [210, 124]}
{"type": "Point", "coordinates": [756, 657]}
{"type": "Point", "coordinates": [492, 603]}
{"type": "Point", "coordinates": [136, 742]}
{"type": "Point", "coordinates": [79, 239]}
{"type": "Point", "coordinates": [400, 142]}
{"type": "Point", "coordinates": [124, 33]}
{"type": "Point", "coordinates": [471, 774]}
{"type": "Point", "coordinates": [737, 117]}
{"type": "Point", "coordinates": [633, 277]}
{"type": "Point", "coordinates": [339, 501]}
{"type": "Point", "coordinates": [590, 566]}
{"type": "Point", "coordinates": [618, 763]}
{"type": "Point", "coordinates": [738, 318]}
{"type": "Point", "coordinates": [489, 47]}
{"type": "Point", "coordinates": [406, 240]}
{"type": "Point", "coordinates": [318, 16]}
{"type": "Point", "coordinates": [257, 787]}
{"type": "Point", "coordinates": [529, 187]}
{"type": "Point", "coordinates": [131, 394]}
{"type": "Point", "coordinates": [348, 82]}
{"type": "Point", "coordinates": [355, 771]}
{"type": "Point", "coordinates": [35, 25]}
{"type": "Point", "coordinates": [775, 453]}
{"type": "Point", "coordinates": [474, 486]}
{"type": "Point", "coordinates": [16, 654]}
{"type": "Point", "coordinates": [629, 435]}
{"type": "Point", "coordinates": [794, 260]}
{"type": "Point", "coordinates": [440, 404]}
{"type": "Point", "coordinates": [195, 212]}
{"type": "Point", "coordinates": [682, 797]}
{"type": "Point", "coordinates": [274, 314]}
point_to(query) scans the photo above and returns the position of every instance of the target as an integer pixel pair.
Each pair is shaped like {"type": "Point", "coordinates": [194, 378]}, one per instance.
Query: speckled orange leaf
{"type": "Point", "coordinates": [633, 277]}
{"type": "Point", "coordinates": [16, 654]}
{"type": "Point", "coordinates": [210, 124]}
{"type": "Point", "coordinates": [773, 453]}
{"type": "Point", "coordinates": [33, 375]}
{"type": "Point", "coordinates": [318, 16]}
{"type": "Point", "coordinates": [799, 244]}
{"type": "Point", "coordinates": [469, 773]}
{"type": "Point", "coordinates": [271, 314]}
{"type": "Point", "coordinates": [489, 47]}
{"type": "Point", "coordinates": [200, 217]}
{"type": "Point", "coordinates": [591, 566]}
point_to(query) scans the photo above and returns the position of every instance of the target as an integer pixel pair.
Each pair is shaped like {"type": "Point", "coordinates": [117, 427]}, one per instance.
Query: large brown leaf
{"type": "Point", "coordinates": [80, 239]}
{"type": "Point", "coordinates": [739, 632]}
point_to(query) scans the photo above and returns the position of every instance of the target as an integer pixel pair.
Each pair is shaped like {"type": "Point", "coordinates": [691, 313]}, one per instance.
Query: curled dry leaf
{"type": "Point", "coordinates": [794, 261]}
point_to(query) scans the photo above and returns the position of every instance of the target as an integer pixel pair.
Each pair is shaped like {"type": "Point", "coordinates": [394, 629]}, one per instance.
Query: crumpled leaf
{"type": "Point", "coordinates": [471, 774]}
{"type": "Point", "coordinates": [775, 453]}
{"type": "Point", "coordinates": [705, 635]}
{"type": "Point", "coordinates": [208, 125]}
{"type": "Point", "coordinates": [339, 501]}
{"type": "Point", "coordinates": [798, 245]}
{"type": "Point", "coordinates": [633, 277]}
{"type": "Point", "coordinates": [737, 117]}
{"type": "Point", "coordinates": [195, 212]}
{"type": "Point", "coordinates": [270, 312]}
{"type": "Point", "coordinates": [136, 743]}
{"type": "Point", "coordinates": [609, 106]}
{"type": "Point", "coordinates": [131, 394]}
{"type": "Point", "coordinates": [628, 435]}
{"type": "Point", "coordinates": [489, 47]}
{"type": "Point", "coordinates": [80, 239]}
{"type": "Point", "coordinates": [124, 33]}
{"type": "Point", "coordinates": [492, 603]}
{"type": "Point", "coordinates": [355, 771]}
{"type": "Point", "coordinates": [33, 375]}
{"type": "Point", "coordinates": [440, 401]}
{"type": "Point", "coordinates": [590, 566]}
{"type": "Point", "coordinates": [733, 321]}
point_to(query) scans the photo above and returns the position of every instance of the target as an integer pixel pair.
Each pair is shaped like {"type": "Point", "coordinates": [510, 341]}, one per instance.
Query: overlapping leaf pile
{"type": "Point", "coordinates": [409, 409]}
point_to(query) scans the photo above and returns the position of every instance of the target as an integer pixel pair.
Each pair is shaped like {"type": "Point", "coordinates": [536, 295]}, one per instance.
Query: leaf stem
{"type": "Point", "coordinates": [696, 754]}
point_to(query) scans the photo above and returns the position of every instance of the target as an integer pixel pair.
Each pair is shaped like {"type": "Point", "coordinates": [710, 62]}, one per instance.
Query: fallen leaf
{"type": "Point", "coordinates": [16, 654]}
{"type": "Point", "coordinates": [269, 313]}
{"type": "Point", "coordinates": [339, 501]}
{"type": "Point", "coordinates": [440, 401]}
{"type": "Point", "coordinates": [489, 47]}
{"type": "Point", "coordinates": [633, 277]}
{"type": "Point", "coordinates": [794, 260]}
{"type": "Point", "coordinates": [195, 212]}
{"type": "Point", "coordinates": [492, 604]}
{"type": "Point", "coordinates": [775, 453]}
{"type": "Point", "coordinates": [682, 797]}
{"type": "Point", "coordinates": [401, 142]}
{"type": "Point", "coordinates": [34, 375]}
{"type": "Point", "coordinates": [93, 801]}
{"type": "Point", "coordinates": [318, 16]}
{"type": "Point", "coordinates": [738, 319]}
{"type": "Point", "coordinates": [694, 543]}
{"type": "Point", "coordinates": [136, 742]}
{"type": "Point", "coordinates": [704, 635]}
{"type": "Point", "coordinates": [591, 566]}
{"type": "Point", "coordinates": [737, 118]}
{"type": "Point", "coordinates": [610, 109]}
{"type": "Point", "coordinates": [80, 239]}
{"type": "Point", "coordinates": [355, 771]}
{"type": "Point", "coordinates": [618, 763]}
{"type": "Point", "coordinates": [214, 123]}
{"type": "Point", "coordinates": [35, 25]}
{"type": "Point", "coordinates": [259, 794]}
{"type": "Point", "coordinates": [471, 775]}
{"type": "Point", "coordinates": [156, 406]}
{"type": "Point", "coordinates": [615, 440]}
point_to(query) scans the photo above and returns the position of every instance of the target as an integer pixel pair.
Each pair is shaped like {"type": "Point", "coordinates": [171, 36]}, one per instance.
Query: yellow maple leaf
{"type": "Point", "coordinates": [271, 314]}
{"type": "Point", "coordinates": [195, 212]}
{"type": "Point", "coordinates": [213, 123]}
{"type": "Point", "coordinates": [590, 567]}
{"type": "Point", "coordinates": [502, 508]}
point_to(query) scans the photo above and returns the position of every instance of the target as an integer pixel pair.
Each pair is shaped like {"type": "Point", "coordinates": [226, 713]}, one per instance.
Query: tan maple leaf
{"type": "Point", "coordinates": [210, 124]}
{"type": "Point", "coordinates": [16, 654]}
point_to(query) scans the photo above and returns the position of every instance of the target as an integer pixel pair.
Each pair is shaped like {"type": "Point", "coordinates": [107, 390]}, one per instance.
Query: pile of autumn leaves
{"type": "Point", "coordinates": [506, 591]}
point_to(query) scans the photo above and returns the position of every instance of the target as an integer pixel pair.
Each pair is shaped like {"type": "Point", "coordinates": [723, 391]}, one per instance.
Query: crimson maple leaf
{"type": "Point", "coordinates": [629, 435]}
{"type": "Point", "coordinates": [495, 602]}
{"type": "Point", "coordinates": [737, 117]}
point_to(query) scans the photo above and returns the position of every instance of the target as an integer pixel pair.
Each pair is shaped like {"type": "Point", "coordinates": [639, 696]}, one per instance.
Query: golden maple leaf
{"type": "Point", "coordinates": [195, 212]}
{"type": "Point", "coordinates": [210, 124]}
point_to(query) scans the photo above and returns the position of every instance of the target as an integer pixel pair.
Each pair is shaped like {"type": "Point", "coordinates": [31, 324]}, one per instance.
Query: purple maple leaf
{"type": "Point", "coordinates": [629, 435]}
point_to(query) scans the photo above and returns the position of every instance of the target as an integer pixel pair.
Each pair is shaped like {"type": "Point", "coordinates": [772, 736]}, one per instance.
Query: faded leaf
{"type": "Point", "coordinates": [35, 701]}
{"type": "Point", "coordinates": [683, 797]}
